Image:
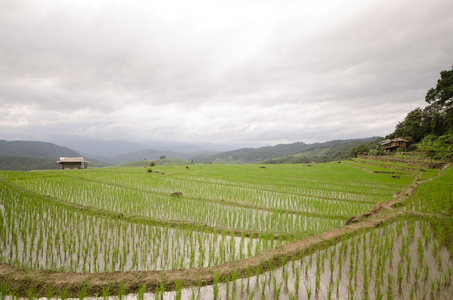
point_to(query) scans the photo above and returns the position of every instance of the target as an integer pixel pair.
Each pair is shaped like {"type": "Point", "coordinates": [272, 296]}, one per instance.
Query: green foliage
{"type": "Point", "coordinates": [442, 143]}
{"type": "Point", "coordinates": [435, 119]}
{"type": "Point", "coordinates": [360, 149]}
{"type": "Point", "coordinates": [411, 127]}
{"type": "Point", "coordinates": [152, 164]}
{"type": "Point", "coordinates": [443, 92]}
{"type": "Point", "coordinates": [432, 120]}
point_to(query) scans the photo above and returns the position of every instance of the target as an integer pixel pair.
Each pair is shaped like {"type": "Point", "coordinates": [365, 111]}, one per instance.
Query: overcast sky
{"type": "Point", "coordinates": [249, 72]}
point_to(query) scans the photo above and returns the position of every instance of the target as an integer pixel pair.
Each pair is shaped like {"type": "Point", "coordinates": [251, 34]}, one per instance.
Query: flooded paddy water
{"type": "Point", "coordinates": [401, 260]}
{"type": "Point", "coordinates": [40, 235]}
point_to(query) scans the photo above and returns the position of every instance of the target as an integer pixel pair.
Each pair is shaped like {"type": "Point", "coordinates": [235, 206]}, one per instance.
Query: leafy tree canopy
{"type": "Point", "coordinates": [360, 149]}
{"type": "Point", "coordinates": [443, 92]}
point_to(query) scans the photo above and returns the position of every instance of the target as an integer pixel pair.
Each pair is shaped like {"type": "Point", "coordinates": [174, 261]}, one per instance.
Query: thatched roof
{"type": "Point", "coordinates": [394, 140]}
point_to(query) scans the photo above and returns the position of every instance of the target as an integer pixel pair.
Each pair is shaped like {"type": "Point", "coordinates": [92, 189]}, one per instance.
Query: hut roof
{"type": "Point", "coordinates": [71, 159]}
{"type": "Point", "coordinates": [394, 140]}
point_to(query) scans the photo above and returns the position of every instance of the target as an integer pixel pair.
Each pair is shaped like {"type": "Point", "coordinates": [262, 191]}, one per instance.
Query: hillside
{"type": "Point", "coordinates": [289, 153]}
{"type": "Point", "coordinates": [151, 154]}
{"type": "Point", "coordinates": [27, 163]}
{"type": "Point", "coordinates": [35, 149]}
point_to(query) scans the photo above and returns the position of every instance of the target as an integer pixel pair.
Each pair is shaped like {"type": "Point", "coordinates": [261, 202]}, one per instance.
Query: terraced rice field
{"type": "Point", "coordinates": [225, 231]}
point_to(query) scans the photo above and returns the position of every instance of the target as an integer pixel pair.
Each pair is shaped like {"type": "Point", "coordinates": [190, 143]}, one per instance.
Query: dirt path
{"type": "Point", "coordinates": [21, 280]}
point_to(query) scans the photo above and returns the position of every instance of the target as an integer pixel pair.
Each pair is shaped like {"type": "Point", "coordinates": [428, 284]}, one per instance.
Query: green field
{"type": "Point", "coordinates": [210, 217]}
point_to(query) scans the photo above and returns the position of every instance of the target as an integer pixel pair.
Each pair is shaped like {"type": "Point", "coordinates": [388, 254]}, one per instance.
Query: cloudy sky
{"type": "Point", "coordinates": [250, 72]}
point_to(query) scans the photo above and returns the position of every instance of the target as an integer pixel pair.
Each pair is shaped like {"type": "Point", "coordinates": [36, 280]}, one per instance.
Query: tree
{"type": "Point", "coordinates": [360, 149]}
{"type": "Point", "coordinates": [411, 128]}
{"type": "Point", "coordinates": [443, 96]}
{"type": "Point", "coordinates": [443, 93]}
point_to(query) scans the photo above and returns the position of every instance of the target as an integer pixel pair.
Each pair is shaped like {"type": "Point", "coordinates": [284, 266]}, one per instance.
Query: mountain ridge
{"type": "Point", "coordinates": [274, 153]}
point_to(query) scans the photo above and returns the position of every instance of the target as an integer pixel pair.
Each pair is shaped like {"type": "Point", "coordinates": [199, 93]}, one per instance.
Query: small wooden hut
{"type": "Point", "coordinates": [72, 163]}
{"type": "Point", "coordinates": [394, 145]}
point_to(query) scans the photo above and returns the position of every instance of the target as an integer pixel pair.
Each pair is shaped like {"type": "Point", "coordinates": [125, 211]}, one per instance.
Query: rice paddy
{"type": "Point", "coordinates": [243, 229]}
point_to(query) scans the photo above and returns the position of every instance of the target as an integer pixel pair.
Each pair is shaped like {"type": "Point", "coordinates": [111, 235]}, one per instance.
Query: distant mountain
{"type": "Point", "coordinates": [35, 149]}
{"type": "Point", "coordinates": [100, 149]}
{"type": "Point", "coordinates": [281, 153]}
{"type": "Point", "coordinates": [107, 150]}
{"type": "Point", "coordinates": [322, 152]}
{"type": "Point", "coordinates": [260, 154]}
{"type": "Point", "coordinates": [27, 163]}
{"type": "Point", "coordinates": [151, 154]}
{"type": "Point", "coordinates": [250, 155]}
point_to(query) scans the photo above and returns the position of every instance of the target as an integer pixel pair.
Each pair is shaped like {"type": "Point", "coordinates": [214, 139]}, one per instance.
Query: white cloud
{"type": "Point", "coordinates": [217, 71]}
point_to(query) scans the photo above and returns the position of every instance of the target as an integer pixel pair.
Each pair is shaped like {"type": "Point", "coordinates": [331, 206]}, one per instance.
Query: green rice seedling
{"type": "Point", "coordinates": [141, 292]}
{"type": "Point", "coordinates": [252, 293]}
{"type": "Point", "coordinates": [292, 296]}
{"type": "Point", "coordinates": [248, 272]}
{"type": "Point", "coordinates": [277, 288]}
{"type": "Point", "coordinates": [308, 290]}
{"type": "Point", "coordinates": [4, 290]}
{"type": "Point", "coordinates": [400, 276]}
{"type": "Point", "coordinates": [330, 290]}
{"type": "Point", "coordinates": [408, 266]}
{"type": "Point", "coordinates": [425, 293]}
{"type": "Point", "coordinates": [439, 261]}
{"type": "Point", "coordinates": [121, 291]}
{"type": "Point", "coordinates": [30, 293]}
{"type": "Point", "coordinates": [162, 285]}
{"type": "Point", "coordinates": [389, 286]}
{"type": "Point", "coordinates": [306, 271]}
{"type": "Point", "coordinates": [257, 273]}
{"type": "Point", "coordinates": [242, 286]}
{"type": "Point", "coordinates": [269, 264]}
{"type": "Point", "coordinates": [379, 295]}
{"type": "Point", "coordinates": [49, 292]}
{"type": "Point", "coordinates": [157, 294]}
{"type": "Point", "coordinates": [416, 277]}
{"type": "Point", "coordinates": [426, 272]}
{"type": "Point", "coordinates": [317, 282]}
{"type": "Point", "coordinates": [412, 293]}
{"type": "Point", "coordinates": [64, 294]}
{"type": "Point", "coordinates": [449, 274]}
{"type": "Point", "coordinates": [178, 289]}
{"type": "Point", "coordinates": [311, 254]}
{"type": "Point", "coordinates": [227, 284]}
{"type": "Point", "coordinates": [234, 277]}
{"type": "Point", "coordinates": [297, 280]}
{"type": "Point", "coordinates": [82, 292]}
{"type": "Point", "coordinates": [215, 287]}
{"type": "Point", "coordinates": [194, 293]}
{"type": "Point", "coordinates": [432, 287]}
{"type": "Point", "coordinates": [286, 278]}
{"type": "Point", "coordinates": [13, 294]}
{"type": "Point", "coordinates": [263, 286]}
{"type": "Point", "coordinates": [105, 292]}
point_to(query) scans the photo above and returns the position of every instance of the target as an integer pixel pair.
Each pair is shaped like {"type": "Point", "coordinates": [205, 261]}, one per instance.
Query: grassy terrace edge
{"type": "Point", "coordinates": [40, 282]}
